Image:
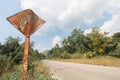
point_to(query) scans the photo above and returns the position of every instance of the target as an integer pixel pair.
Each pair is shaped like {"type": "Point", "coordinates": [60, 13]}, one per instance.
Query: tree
{"type": "Point", "coordinates": [116, 48]}
{"type": "Point", "coordinates": [0, 45]}
{"type": "Point", "coordinates": [94, 43]}
{"type": "Point", "coordinates": [116, 37]}
{"type": "Point", "coordinates": [66, 45]}
{"type": "Point", "coordinates": [54, 52]}
{"type": "Point", "coordinates": [11, 54]}
{"type": "Point", "coordinates": [77, 42]}
{"type": "Point", "coordinates": [116, 52]}
{"type": "Point", "coordinates": [72, 42]}
{"type": "Point", "coordinates": [10, 46]}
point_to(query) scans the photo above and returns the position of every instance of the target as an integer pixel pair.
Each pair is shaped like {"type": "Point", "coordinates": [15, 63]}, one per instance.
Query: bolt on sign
{"type": "Point", "coordinates": [27, 22]}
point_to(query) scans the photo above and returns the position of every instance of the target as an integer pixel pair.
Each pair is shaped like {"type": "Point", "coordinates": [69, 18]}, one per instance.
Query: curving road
{"type": "Point", "coordinates": [74, 71]}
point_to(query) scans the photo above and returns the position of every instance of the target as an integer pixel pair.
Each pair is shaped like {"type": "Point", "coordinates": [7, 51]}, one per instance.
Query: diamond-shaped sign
{"type": "Point", "coordinates": [26, 21]}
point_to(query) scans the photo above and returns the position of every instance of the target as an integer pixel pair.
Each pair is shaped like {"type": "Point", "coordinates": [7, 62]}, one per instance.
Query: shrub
{"type": "Point", "coordinates": [3, 59]}
{"type": "Point", "coordinates": [65, 55]}
{"type": "Point", "coordinates": [6, 64]}
{"type": "Point", "coordinates": [14, 75]}
{"type": "Point", "coordinates": [89, 55]}
{"type": "Point", "coordinates": [76, 56]}
{"type": "Point", "coordinates": [101, 51]}
{"type": "Point", "coordinates": [32, 75]}
{"type": "Point", "coordinates": [115, 53]}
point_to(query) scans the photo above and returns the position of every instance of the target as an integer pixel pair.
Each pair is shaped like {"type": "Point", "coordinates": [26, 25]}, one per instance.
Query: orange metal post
{"type": "Point", "coordinates": [25, 58]}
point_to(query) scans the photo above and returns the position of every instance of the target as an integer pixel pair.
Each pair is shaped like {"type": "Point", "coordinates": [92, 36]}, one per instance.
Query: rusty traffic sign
{"type": "Point", "coordinates": [26, 22]}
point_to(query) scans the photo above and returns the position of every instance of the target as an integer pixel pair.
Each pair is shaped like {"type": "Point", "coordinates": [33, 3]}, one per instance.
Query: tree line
{"type": "Point", "coordinates": [95, 43]}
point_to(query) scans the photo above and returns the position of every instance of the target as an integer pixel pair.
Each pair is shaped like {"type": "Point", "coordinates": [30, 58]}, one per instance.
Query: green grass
{"type": "Point", "coordinates": [40, 73]}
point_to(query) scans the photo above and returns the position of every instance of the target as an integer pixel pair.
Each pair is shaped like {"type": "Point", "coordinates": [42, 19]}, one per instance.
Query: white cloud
{"type": "Point", "coordinates": [89, 21]}
{"type": "Point", "coordinates": [82, 11]}
{"type": "Point", "coordinates": [40, 48]}
{"type": "Point", "coordinates": [88, 31]}
{"type": "Point", "coordinates": [68, 14]}
{"type": "Point", "coordinates": [112, 25]}
{"type": "Point", "coordinates": [56, 40]}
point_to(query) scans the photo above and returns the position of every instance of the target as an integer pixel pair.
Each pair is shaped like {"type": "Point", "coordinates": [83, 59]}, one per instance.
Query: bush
{"type": "Point", "coordinates": [33, 73]}
{"type": "Point", "coordinates": [14, 75]}
{"type": "Point", "coordinates": [65, 55]}
{"type": "Point", "coordinates": [3, 59]}
{"type": "Point", "coordinates": [89, 55]}
{"type": "Point", "coordinates": [101, 51]}
{"type": "Point", "coordinates": [76, 56]}
{"type": "Point", "coordinates": [6, 64]}
{"type": "Point", "coordinates": [115, 53]}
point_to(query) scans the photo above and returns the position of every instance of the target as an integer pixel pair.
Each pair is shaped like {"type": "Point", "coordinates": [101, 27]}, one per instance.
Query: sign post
{"type": "Point", "coordinates": [27, 22]}
{"type": "Point", "coordinates": [25, 57]}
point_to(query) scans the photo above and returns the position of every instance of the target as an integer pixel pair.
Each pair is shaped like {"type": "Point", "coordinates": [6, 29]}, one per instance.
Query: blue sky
{"type": "Point", "coordinates": [61, 18]}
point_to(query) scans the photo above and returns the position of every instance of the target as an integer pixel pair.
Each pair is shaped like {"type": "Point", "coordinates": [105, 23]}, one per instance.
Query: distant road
{"type": "Point", "coordinates": [74, 71]}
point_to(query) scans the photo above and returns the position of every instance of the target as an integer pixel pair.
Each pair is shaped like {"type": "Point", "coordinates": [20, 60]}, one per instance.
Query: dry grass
{"type": "Point", "coordinates": [40, 73]}
{"type": "Point", "coordinates": [40, 67]}
{"type": "Point", "coordinates": [104, 61]}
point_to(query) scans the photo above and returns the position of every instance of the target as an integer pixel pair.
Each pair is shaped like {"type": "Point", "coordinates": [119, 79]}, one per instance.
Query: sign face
{"type": "Point", "coordinates": [26, 22]}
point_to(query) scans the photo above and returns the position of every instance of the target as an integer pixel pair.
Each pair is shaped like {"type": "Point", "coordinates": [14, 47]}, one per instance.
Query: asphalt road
{"type": "Point", "coordinates": [74, 71]}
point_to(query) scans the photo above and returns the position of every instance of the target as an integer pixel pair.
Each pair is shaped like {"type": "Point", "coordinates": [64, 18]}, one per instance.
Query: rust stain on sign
{"type": "Point", "coordinates": [26, 22]}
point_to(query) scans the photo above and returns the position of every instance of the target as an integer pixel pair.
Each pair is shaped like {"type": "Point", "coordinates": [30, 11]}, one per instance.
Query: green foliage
{"type": "Point", "coordinates": [31, 68]}
{"type": "Point", "coordinates": [65, 55]}
{"type": "Point", "coordinates": [98, 40]}
{"type": "Point", "coordinates": [76, 42]}
{"type": "Point", "coordinates": [101, 51]}
{"type": "Point", "coordinates": [89, 55]}
{"type": "Point", "coordinates": [11, 54]}
{"type": "Point", "coordinates": [10, 46]}
{"type": "Point", "coordinates": [54, 52]}
{"type": "Point", "coordinates": [116, 37]}
{"type": "Point", "coordinates": [15, 75]}
{"type": "Point", "coordinates": [12, 49]}
{"type": "Point", "coordinates": [4, 62]}
{"type": "Point", "coordinates": [76, 56]}
{"type": "Point", "coordinates": [116, 52]}
{"type": "Point", "coordinates": [90, 45]}
{"type": "Point", "coordinates": [109, 47]}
